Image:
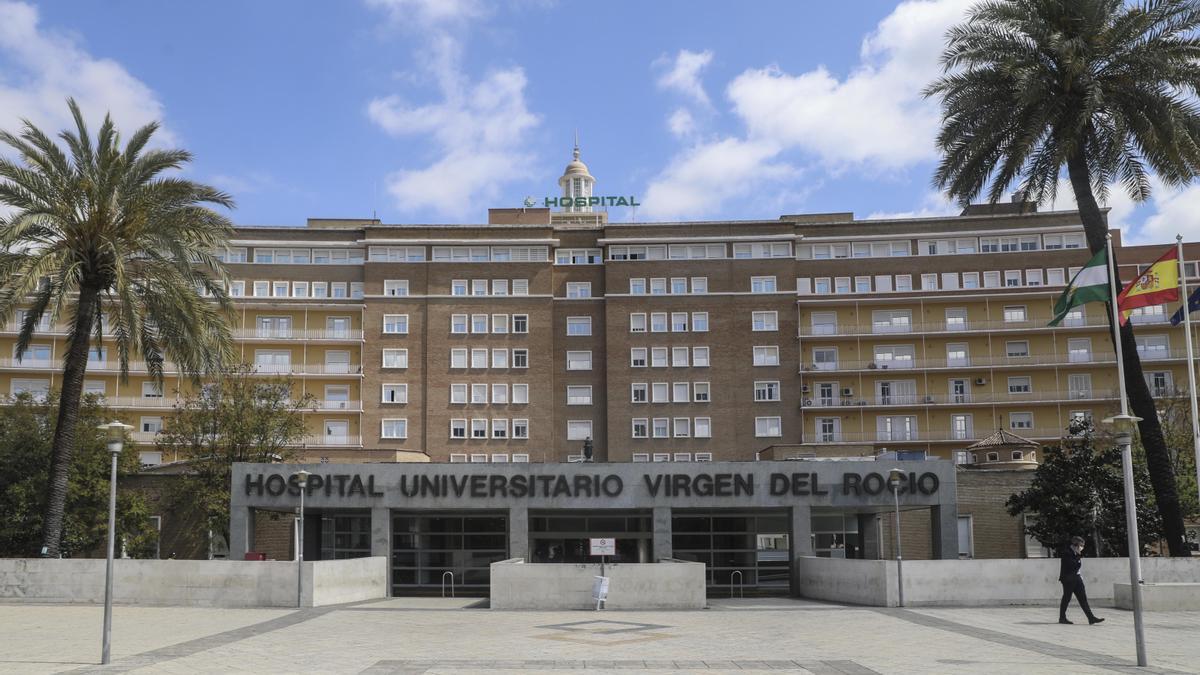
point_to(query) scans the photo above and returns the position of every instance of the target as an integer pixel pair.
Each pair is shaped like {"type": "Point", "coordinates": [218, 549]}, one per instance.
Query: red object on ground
{"type": "Point", "coordinates": [255, 555]}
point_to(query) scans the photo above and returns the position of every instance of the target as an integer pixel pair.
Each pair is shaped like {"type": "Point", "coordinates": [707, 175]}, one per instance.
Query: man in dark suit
{"type": "Point", "coordinates": [1068, 574]}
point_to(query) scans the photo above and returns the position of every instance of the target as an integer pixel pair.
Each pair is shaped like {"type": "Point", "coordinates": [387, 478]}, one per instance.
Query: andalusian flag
{"type": "Point", "coordinates": [1158, 285]}
{"type": "Point", "coordinates": [1089, 285]}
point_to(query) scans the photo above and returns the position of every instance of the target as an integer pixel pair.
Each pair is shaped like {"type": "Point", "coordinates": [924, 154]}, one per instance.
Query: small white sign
{"type": "Point", "coordinates": [603, 547]}
{"type": "Point", "coordinates": [600, 589]}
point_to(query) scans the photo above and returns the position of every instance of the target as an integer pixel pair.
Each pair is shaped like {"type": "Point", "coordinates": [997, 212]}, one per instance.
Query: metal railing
{"type": "Point", "coordinates": [971, 397]}
{"type": "Point", "coordinates": [998, 361]}
{"type": "Point", "coordinates": [297, 334]}
{"type": "Point", "coordinates": [451, 575]}
{"type": "Point", "coordinates": [938, 435]}
{"type": "Point", "coordinates": [842, 330]}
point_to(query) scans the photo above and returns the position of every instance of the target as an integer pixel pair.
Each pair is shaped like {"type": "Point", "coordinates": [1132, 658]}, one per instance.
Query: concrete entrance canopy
{"type": "Point", "coordinates": [659, 488]}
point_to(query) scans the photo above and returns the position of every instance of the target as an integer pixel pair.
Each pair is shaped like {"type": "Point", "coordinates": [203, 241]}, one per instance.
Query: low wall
{"type": "Point", "coordinates": [196, 583]}
{"type": "Point", "coordinates": [1183, 597]}
{"type": "Point", "coordinates": [974, 582]}
{"type": "Point", "coordinates": [664, 585]}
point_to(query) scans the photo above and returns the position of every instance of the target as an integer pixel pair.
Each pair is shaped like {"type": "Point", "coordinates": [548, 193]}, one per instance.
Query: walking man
{"type": "Point", "coordinates": [1073, 583]}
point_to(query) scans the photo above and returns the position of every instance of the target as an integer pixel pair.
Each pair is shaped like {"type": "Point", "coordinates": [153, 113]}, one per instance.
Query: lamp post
{"type": "Point", "coordinates": [1123, 425]}
{"type": "Point", "coordinates": [894, 477]}
{"type": "Point", "coordinates": [301, 480]}
{"type": "Point", "coordinates": [116, 442]}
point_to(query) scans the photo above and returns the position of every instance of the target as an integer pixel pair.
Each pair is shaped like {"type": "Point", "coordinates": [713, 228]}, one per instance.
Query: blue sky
{"type": "Point", "coordinates": [434, 110]}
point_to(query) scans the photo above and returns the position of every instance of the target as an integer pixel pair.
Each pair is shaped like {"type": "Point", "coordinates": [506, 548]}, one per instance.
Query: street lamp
{"type": "Point", "coordinates": [1123, 426]}
{"type": "Point", "coordinates": [894, 477]}
{"type": "Point", "coordinates": [116, 442]}
{"type": "Point", "coordinates": [301, 480]}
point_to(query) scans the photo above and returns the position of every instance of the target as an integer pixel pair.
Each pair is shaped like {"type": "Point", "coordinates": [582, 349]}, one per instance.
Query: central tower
{"type": "Point", "coordinates": [576, 181]}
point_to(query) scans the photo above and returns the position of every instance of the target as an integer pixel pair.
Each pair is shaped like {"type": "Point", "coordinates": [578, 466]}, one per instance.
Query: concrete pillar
{"type": "Point", "coordinates": [241, 531]}
{"type": "Point", "coordinates": [943, 525]}
{"type": "Point", "coordinates": [663, 546]}
{"type": "Point", "coordinates": [518, 532]}
{"type": "Point", "coordinates": [800, 539]}
{"type": "Point", "coordinates": [381, 538]}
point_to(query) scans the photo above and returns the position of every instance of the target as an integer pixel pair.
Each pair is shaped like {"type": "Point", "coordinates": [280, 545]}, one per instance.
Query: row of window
{"type": "Point", "coordinates": [676, 321]}
{"type": "Point", "coordinates": [478, 393]}
{"type": "Point", "coordinates": [668, 286]}
{"type": "Point", "coordinates": [668, 427]}
{"type": "Point", "coordinates": [481, 429]}
{"type": "Point", "coordinates": [668, 392]}
{"type": "Point", "coordinates": [298, 289]}
{"type": "Point", "coordinates": [675, 357]}
{"type": "Point", "coordinates": [672, 457]}
{"type": "Point", "coordinates": [955, 246]}
{"type": "Point", "coordinates": [480, 357]}
{"type": "Point", "coordinates": [498, 324]}
{"type": "Point", "coordinates": [294, 256]}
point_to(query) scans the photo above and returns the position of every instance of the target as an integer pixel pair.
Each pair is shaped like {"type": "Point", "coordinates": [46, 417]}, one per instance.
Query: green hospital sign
{"type": "Point", "coordinates": [580, 202]}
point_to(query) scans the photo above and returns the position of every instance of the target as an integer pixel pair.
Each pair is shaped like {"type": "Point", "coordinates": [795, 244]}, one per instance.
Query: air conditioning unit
{"type": "Point", "coordinates": [981, 380]}
{"type": "Point", "coordinates": [929, 399]}
{"type": "Point", "coordinates": [872, 366]}
{"type": "Point", "coordinates": [847, 391]}
{"type": "Point", "coordinates": [808, 401]}
{"type": "Point", "coordinates": [804, 389]}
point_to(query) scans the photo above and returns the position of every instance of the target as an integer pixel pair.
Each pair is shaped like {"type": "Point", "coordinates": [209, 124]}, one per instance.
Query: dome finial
{"type": "Point", "coordinates": [576, 153]}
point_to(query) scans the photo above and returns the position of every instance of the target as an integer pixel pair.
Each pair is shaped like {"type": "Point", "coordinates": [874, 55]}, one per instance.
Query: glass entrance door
{"type": "Point", "coordinates": [562, 536]}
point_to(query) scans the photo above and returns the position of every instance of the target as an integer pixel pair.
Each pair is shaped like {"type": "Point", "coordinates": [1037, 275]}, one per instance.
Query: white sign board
{"type": "Point", "coordinates": [603, 547]}
{"type": "Point", "coordinates": [600, 589]}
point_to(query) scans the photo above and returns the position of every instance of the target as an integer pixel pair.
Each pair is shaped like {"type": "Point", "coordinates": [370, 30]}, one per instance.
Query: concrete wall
{"type": "Point", "coordinates": [665, 585]}
{"type": "Point", "coordinates": [196, 583]}
{"type": "Point", "coordinates": [1159, 597]}
{"type": "Point", "coordinates": [974, 582]}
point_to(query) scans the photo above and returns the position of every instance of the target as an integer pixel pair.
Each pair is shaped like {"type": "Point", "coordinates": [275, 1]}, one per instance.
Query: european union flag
{"type": "Point", "coordinates": [1192, 306]}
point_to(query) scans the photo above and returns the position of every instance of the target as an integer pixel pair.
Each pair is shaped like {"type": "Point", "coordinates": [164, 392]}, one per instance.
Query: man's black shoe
{"type": "Point", "coordinates": [1095, 620]}
{"type": "Point", "coordinates": [1064, 620]}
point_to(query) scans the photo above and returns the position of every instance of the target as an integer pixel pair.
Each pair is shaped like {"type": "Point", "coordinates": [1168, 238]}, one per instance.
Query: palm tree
{"type": "Point", "coordinates": [1107, 89]}
{"type": "Point", "coordinates": [107, 239]}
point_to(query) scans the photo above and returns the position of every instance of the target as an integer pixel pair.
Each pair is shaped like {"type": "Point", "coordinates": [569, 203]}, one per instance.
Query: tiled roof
{"type": "Point", "coordinates": [1004, 439]}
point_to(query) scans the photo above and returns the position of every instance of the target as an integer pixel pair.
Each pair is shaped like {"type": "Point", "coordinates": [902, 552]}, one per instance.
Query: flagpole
{"type": "Point", "coordinates": [1124, 427]}
{"type": "Point", "coordinates": [1191, 364]}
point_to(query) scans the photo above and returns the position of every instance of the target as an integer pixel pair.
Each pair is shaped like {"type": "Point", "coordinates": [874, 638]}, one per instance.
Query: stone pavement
{"type": "Point", "coordinates": [438, 636]}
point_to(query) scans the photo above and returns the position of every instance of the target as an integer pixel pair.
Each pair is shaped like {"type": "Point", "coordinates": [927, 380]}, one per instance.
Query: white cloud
{"type": "Point", "coordinates": [684, 74]}
{"type": "Point", "coordinates": [479, 134]}
{"type": "Point", "coordinates": [1169, 211]}
{"type": "Point", "coordinates": [933, 205]}
{"type": "Point", "coordinates": [875, 116]}
{"type": "Point", "coordinates": [44, 68]}
{"type": "Point", "coordinates": [430, 12]}
{"type": "Point", "coordinates": [681, 123]}
{"type": "Point", "coordinates": [701, 178]}
{"type": "Point", "coordinates": [477, 130]}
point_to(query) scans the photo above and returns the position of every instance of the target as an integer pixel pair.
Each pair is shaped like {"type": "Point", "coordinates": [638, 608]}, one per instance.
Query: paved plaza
{"type": "Point", "coordinates": [444, 636]}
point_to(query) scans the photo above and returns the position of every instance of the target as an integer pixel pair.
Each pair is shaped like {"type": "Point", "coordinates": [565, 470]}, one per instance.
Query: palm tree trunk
{"type": "Point", "coordinates": [1158, 458]}
{"type": "Point", "coordinates": [68, 415]}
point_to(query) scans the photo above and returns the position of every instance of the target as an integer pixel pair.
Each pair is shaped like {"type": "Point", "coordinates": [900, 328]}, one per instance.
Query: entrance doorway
{"type": "Point", "coordinates": [562, 536]}
{"type": "Point", "coordinates": [747, 550]}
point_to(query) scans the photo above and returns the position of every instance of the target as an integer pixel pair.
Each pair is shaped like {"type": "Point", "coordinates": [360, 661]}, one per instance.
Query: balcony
{"type": "Point", "coordinates": [968, 398]}
{"type": "Point", "coordinates": [944, 327]}
{"type": "Point", "coordinates": [275, 334]}
{"type": "Point", "coordinates": [934, 436]}
{"type": "Point", "coordinates": [986, 362]}
{"type": "Point", "coordinates": [347, 406]}
{"type": "Point", "coordinates": [342, 441]}
{"type": "Point", "coordinates": [308, 369]}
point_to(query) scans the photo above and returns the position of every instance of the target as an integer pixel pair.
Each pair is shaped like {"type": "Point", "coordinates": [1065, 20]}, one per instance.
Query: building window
{"type": "Point", "coordinates": [762, 285]}
{"type": "Point", "coordinates": [767, 427]}
{"type": "Point", "coordinates": [395, 324]}
{"type": "Point", "coordinates": [638, 392]}
{"type": "Point", "coordinates": [678, 286]}
{"type": "Point", "coordinates": [637, 323]}
{"type": "Point", "coordinates": [766, 356]}
{"type": "Point", "coordinates": [458, 358]}
{"type": "Point", "coordinates": [479, 323]}
{"type": "Point", "coordinates": [395, 287]}
{"type": "Point", "coordinates": [658, 287]}
{"type": "Point", "coordinates": [579, 325]}
{"type": "Point", "coordinates": [499, 358]}
{"type": "Point", "coordinates": [699, 357]}
{"type": "Point", "coordinates": [479, 428]}
{"type": "Point", "coordinates": [579, 430]}
{"type": "Point", "coordinates": [766, 391]}
{"type": "Point", "coordinates": [479, 358]}
{"type": "Point", "coordinates": [659, 427]}
{"type": "Point", "coordinates": [578, 256]}
{"type": "Point", "coordinates": [699, 285]}
{"type": "Point", "coordinates": [458, 428]}
{"type": "Point", "coordinates": [520, 429]}
{"type": "Point", "coordinates": [765, 321]}
{"type": "Point", "coordinates": [520, 323]}
{"type": "Point", "coordinates": [395, 428]}
{"type": "Point", "coordinates": [658, 357]}
{"type": "Point", "coordinates": [499, 428]}
{"type": "Point", "coordinates": [520, 394]}
{"type": "Point", "coordinates": [479, 394]}
{"type": "Point", "coordinates": [500, 324]}
{"type": "Point", "coordinates": [701, 392]}
{"type": "Point", "coordinates": [579, 289]}
{"type": "Point", "coordinates": [500, 394]}
{"type": "Point", "coordinates": [679, 357]}
{"type": "Point", "coordinates": [681, 392]}
{"type": "Point", "coordinates": [394, 393]}
{"type": "Point", "coordinates": [458, 393]}
{"type": "Point", "coordinates": [679, 322]}
{"type": "Point", "coordinates": [658, 322]}
{"type": "Point", "coordinates": [1014, 314]}
{"type": "Point", "coordinates": [824, 358]}
{"type": "Point", "coordinates": [891, 321]}
{"type": "Point", "coordinates": [1020, 420]}
{"type": "Point", "coordinates": [500, 287]}
{"type": "Point", "coordinates": [395, 358]}
{"type": "Point", "coordinates": [637, 286]}
{"type": "Point", "coordinates": [702, 428]}
{"type": "Point", "coordinates": [699, 322]}
{"type": "Point", "coordinates": [579, 360]}
{"type": "Point", "coordinates": [641, 427]}
{"type": "Point", "coordinates": [660, 392]}
{"type": "Point", "coordinates": [683, 427]}
{"type": "Point", "coordinates": [1016, 349]}
{"type": "Point", "coordinates": [637, 357]}
{"type": "Point", "coordinates": [1019, 385]}
{"type": "Point", "coordinates": [579, 395]}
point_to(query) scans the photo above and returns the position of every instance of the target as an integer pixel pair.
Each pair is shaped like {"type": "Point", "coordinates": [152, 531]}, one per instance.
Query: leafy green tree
{"type": "Point", "coordinates": [1104, 88]}
{"type": "Point", "coordinates": [25, 432]}
{"type": "Point", "coordinates": [1078, 489]}
{"type": "Point", "coordinates": [239, 417]}
{"type": "Point", "coordinates": [107, 239]}
{"type": "Point", "coordinates": [1175, 414]}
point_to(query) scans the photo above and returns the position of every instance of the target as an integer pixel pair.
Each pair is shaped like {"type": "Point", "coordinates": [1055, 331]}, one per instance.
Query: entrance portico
{"type": "Point", "coordinates": [748, 522]}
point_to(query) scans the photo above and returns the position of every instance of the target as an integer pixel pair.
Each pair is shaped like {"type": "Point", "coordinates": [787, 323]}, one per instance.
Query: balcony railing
{"type": "Point", "coordinates": [888, 329]}
{"type": "Point", "coordinates": [999, 361]}
{"type": "Point", "coordinates": [352, 441]}
{"type": "Point", "coordinates": [348, 406]}
{"type": "Point", "coordinates": [297, 334]}
{"type": "Point", "coordinates": [916, 436]}
{"type": "Point", "coordinates": [971, 397]}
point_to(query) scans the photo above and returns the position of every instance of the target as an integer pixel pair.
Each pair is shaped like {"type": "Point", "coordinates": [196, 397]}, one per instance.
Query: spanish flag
{"type": "Point", "coordinates": [1158, 285]}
